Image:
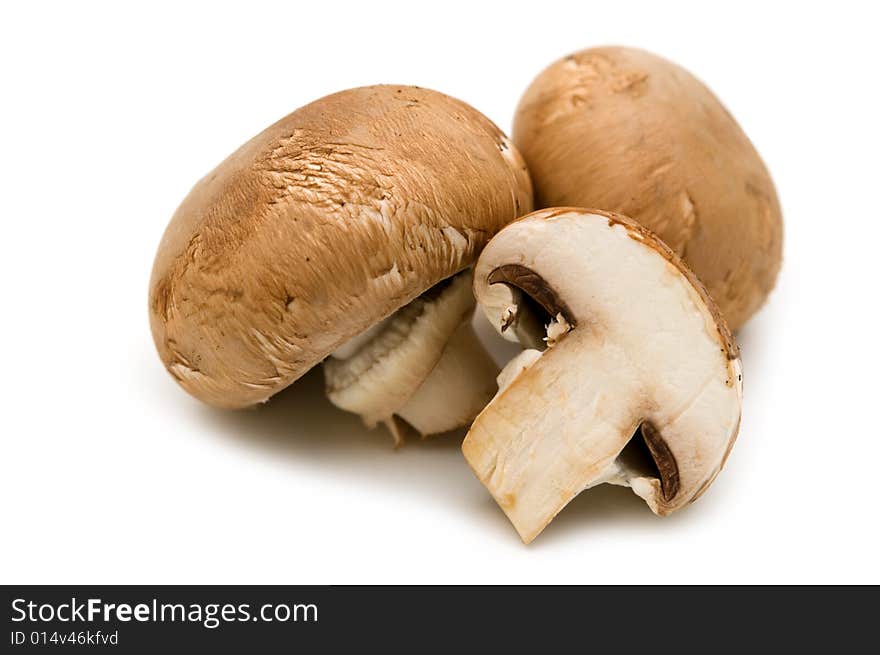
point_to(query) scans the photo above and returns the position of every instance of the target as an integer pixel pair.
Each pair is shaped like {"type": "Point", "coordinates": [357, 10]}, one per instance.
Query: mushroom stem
{"type": "Point", "coordinates": [534, 432]}
{"type": "Point", "coordinates": [425, 366]}
{"type": "Point", "coordinates": [459, 387]}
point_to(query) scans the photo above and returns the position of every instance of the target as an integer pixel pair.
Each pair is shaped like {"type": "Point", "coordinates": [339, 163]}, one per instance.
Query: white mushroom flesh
{"type": "Point", "coordinates": [423, 364]}
{"type": "Point", "coordinates": [639, 348]}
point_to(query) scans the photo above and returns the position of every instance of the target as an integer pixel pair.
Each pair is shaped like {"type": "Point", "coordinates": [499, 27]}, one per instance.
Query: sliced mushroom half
{"type": "Point", "coordinates": [631, 377]}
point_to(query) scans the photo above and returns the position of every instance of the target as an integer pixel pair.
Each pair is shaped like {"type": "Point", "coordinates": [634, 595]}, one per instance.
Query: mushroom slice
{"type": "Point", "coordinates": [424, 364]}
{"type": "Point", "coordinates": [638, 384]}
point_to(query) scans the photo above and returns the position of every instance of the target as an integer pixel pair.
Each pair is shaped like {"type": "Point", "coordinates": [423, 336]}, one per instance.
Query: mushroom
{"type": "Point", "coordinates": [626, 131]}
{"type": "Point", "coordinates": [636, 381]}
{"type": "Point", "coordinates": [343, 229]}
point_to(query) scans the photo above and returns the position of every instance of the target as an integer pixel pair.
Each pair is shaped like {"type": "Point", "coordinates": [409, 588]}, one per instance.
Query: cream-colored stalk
{"type": "Point", "coordinates": [424, 365]}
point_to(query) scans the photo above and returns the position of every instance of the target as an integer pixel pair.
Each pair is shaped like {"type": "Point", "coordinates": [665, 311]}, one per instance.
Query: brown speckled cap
{"type": "Point", "coordinates": [319, 227]}
{"type": "Point", "coordinates": [624, 130]}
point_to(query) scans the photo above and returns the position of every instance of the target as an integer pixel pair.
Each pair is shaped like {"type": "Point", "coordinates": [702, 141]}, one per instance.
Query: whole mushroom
{"type": "Point", "coordinates": [630, 376]}
{"type": "Point", "coordinates": [344, 230]}
{"type": "Point", "coordinates": [624, 130]}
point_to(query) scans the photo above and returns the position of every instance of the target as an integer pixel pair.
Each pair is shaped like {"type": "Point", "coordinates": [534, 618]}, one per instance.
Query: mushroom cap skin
{"type": "Point", "coordinates": [627, 131]}
{"type": "Point", "coordinates": [640, 384]}
{"type": "Point", "coordinates": [320, 227]}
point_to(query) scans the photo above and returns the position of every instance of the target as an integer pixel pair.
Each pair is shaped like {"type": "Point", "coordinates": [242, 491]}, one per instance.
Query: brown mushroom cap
{"type": "Point", "coordinates": [321, 226]}
{"type": "Point", "coordinates": [626, 131]}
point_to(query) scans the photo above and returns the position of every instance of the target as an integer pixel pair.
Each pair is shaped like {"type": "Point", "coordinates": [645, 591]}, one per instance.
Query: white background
{"type": "Point", "coordinates": [109, 473]}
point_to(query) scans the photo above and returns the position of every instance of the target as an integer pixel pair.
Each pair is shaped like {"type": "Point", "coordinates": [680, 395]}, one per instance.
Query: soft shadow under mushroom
{"type": "Point", "coordinates": [606, 506]}
{"type": "Point", "coordinates": [302, 428]}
